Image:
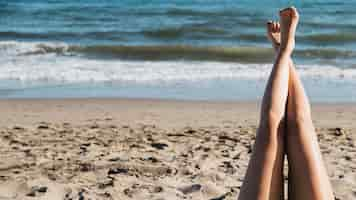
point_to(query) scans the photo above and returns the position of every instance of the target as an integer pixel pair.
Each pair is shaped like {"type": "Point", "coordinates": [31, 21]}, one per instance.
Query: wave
{"type": "Point", "coordinates": [189, 12]}
{"type": "Point", "coordinates": [76, 70]}
{"type": "Point", "coordinates": [201, 32]}
{"type": "Point", "coordinates": [246, 54]}
{"type": "Point", "coordinates": [233, 12]}
{"type": "Point", "coordinates": [335, 38]}
{"type": "Point", "coordinates": [109, 35]}
{"type": "Point", "coordinates": [26, 35]}
{"type": "Point", "coordinates": [182, 31]}
{"type": "Point", "coordinates": [26, 61]}
{"type": "Point", "coordinates": [198, 31]}
{"type": "Point", "coordinates": [170, 52]}
{"type": "Point", "coordinates": [180, 52]}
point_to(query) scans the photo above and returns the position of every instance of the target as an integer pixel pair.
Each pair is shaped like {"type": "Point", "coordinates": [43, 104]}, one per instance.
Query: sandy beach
{"type": "Point", "coordinates": [148, 149]}
{"type": "Point", "coordinates": [160, 100]}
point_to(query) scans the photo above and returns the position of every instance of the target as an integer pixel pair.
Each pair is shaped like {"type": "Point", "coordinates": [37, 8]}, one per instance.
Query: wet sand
{"type": "Point", "coordinates": [148, 149]}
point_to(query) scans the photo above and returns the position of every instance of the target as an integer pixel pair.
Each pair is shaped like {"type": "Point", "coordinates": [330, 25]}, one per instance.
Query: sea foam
{"type": "Point", "coordinates": [30, 61]}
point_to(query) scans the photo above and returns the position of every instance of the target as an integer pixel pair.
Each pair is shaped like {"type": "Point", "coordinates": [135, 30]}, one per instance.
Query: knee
{"type": "Point", "coordinates": [271, 121]}
{"type": "Point", "coordinates": [298, 118]}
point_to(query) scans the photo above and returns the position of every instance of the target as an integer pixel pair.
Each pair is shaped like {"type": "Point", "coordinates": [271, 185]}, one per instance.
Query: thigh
{"type": "Point", "coordinates": [307, 174]}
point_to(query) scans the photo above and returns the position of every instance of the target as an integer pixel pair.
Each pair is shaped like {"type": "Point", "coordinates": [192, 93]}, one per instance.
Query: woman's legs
{"type": "Point", "coordinates": [302, 147]}
{"type": "Point", "coordinates": [263, 179]}
{"type": "Point", "coordinates": [308, 177]}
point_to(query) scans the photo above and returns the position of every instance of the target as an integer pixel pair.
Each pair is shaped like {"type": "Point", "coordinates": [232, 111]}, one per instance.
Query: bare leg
{"type": "Point", "coordinates": [263, 173]}
{"type": "Point", "coordinates": [301, 183]}
{"type": "Point", "coordinates": [277, 184]}
{"type": "Point", "coordinates": [308, 177]}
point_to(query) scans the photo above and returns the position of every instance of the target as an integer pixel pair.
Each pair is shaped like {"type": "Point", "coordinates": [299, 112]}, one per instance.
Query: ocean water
{"type": "Point", "coordinates": [180, 49]}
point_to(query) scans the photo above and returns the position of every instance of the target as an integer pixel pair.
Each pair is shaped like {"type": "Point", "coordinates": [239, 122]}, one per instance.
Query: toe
{"type": "Point", "coordinates": [275, 27]}
{"type": "Point", "coordinates": [290, 11]}
{"type": "Point", "coordinates": [285, 11]}
{"type": "Point", "coordinates": [294, 12]}
{"type": "Point", "coordinates": [278, 27]}
{"type": "Point", "coordinates": [269, 26]}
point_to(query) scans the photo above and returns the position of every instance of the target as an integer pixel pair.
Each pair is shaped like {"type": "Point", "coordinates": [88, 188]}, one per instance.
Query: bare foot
{"type": "Point", "coordinates": [274, 34]}
{"type": "Point", "coordinates": [289, 18]}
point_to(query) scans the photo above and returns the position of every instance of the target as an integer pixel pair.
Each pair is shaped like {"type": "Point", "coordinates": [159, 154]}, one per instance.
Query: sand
{"type": "Point", "coordinates": [148, 149]}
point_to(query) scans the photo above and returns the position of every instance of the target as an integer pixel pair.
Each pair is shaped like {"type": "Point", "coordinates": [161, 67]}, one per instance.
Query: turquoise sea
{"type": "Point", "coordinates": [179, 49]}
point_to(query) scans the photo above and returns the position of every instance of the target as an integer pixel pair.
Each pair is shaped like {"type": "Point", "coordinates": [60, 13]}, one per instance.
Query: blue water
{"type": "Point", "coordinates": [180, 49]}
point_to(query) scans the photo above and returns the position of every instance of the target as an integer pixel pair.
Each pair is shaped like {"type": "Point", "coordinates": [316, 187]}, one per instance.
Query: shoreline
{"type": "Point", "coordinates": [171, 112]}
{"type": "Point", "coordinates": [157, 99]}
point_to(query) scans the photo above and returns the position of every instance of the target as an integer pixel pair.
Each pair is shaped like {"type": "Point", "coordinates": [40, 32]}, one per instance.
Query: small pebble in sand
{"type": "Point", "coordinates": [43, 126]}
{"type": "Point", "coordinates": [348, 158]}
{"type": "Point", "coordinates": [81, 195]}
{"type": "Point", "coordinates": [222, 197]}
{"type": "Point", "coordinates": [108, 182]}
{"type": "Point", "coordinates": [157, 189]}
{"type": "Point", "coordinates": [159, 146]}
{"type": "Point", "coordinates": [128, 192]}
{"type": "Point", "coordinates": [339, 131]}
{"type": "Point", "coordinates": [37, 189]}
{"type": "Point", "coordinates": [190, 188]}
{"type": "Point", "coordinates": [18, 128]}
{"type": "Point", "coordinates": [118, 171]}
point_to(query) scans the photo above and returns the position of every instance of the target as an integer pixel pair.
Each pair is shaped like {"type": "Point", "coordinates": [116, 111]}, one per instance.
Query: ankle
{"type": "Point", "coordinates": [276, 47]}
{"type": "Point", "coordinates": [285, 50]}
